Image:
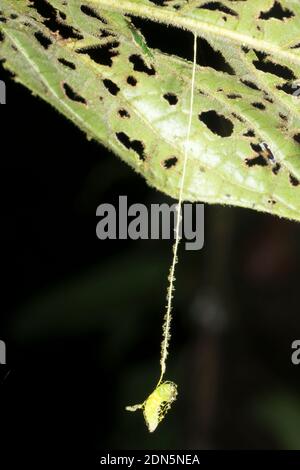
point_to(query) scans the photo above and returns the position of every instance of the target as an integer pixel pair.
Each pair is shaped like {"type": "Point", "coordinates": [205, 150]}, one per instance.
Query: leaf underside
{"type": "Point", "coordinates": [90, 62]}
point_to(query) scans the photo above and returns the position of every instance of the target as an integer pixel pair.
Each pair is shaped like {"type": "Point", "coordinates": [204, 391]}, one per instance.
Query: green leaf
{"type": "Point", "coordinates": [88, 60]}
{"type": "Point", "coordinates": [280, 414]}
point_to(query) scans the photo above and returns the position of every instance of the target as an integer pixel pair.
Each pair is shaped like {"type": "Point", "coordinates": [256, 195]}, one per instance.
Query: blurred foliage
{"type": "Point", "coordinates": [280, 414]}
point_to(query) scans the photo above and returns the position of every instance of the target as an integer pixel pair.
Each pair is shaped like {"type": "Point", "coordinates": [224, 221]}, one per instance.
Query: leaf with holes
{"type": "Point", "coordinates": [89, 60]}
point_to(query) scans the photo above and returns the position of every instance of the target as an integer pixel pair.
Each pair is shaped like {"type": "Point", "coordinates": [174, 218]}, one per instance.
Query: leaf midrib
{"type": "Point", "coordinates": [166, 16]}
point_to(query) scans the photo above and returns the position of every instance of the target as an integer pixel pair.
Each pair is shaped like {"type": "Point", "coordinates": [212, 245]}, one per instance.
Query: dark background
{"type": "Point", "coordinates": [82, 318]}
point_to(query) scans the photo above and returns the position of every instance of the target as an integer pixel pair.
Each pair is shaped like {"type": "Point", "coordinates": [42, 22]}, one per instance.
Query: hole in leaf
{"type": "Point", "coordinates": [288, 88]}
{"type": "Point", "coordinates": [217, 123]}
{"type": "Point", "coordinates": [218, 6]}
{"type": "Point", "coordinates": [209, 57]}
{"type": "Point", "coordinates": [131, 80]}
{"type": "Point", "coordinates": [259, 160]}
{"type": "Point", "coordinates": [238, 117]}
{"type": "Point", "coordinates": [92, 13]}
{"type": "Point", "coordinates": [102, 55]}
{"type": "Point", "coordinates": [171, 98]}
{"type": "Point", "coordinates": [43, 8]}
{"type": "Point", "coordinates": [245, 49]}
{"type": "Point", "coordinates": [111, 86]}
{"type": "Point", "coordinates": [44, 41]}
{"type": "Point", "coordinates": [72, 95]}
{"type": "Point", "coordinates": [283, 117]}
{"type": "Point", "coordinates": [135, 145]}
{"type": "Point", "coordinates": [169, 162]}
{"type": "Point", "coordinates": [249, 133]}
{"type": "Point", "coordinates": [175, 40]}
{"type": "Point", "coordinates": [276, 11]}
{"type": "Point", "coordinates": [66, 63]}
{"type": "Point", "coordinates": [297, 138]}
{"type": "Point", "coordinates": [123, 113]}
{"type": "Point", "coordinates": [294, 181]}
{"type": "Point", "coordinates": [276, 168]}
{"type": "Point", "coordinates": [258, 105]}
{"type": "Point", "coordinates": [50, 14]}
{"type": "Point", "coordinates": [104, 33]}
{"type": "Point", "coordinates": [233, 96]}
{"type": "Point", "coordinates": [159, 3]}
{"type": "Point", "coordinates": [269, 99]}
{"type": "Point", "coordinates": [140, 66]}
{"type": "Point", "coordinates": [257, 148]}
{"type": "Point", "coordinates": [280, 71]}
{"type": "Point", "coordinates": [66, 32]}
{"type": "Point", "coordinates": [250, 84]}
